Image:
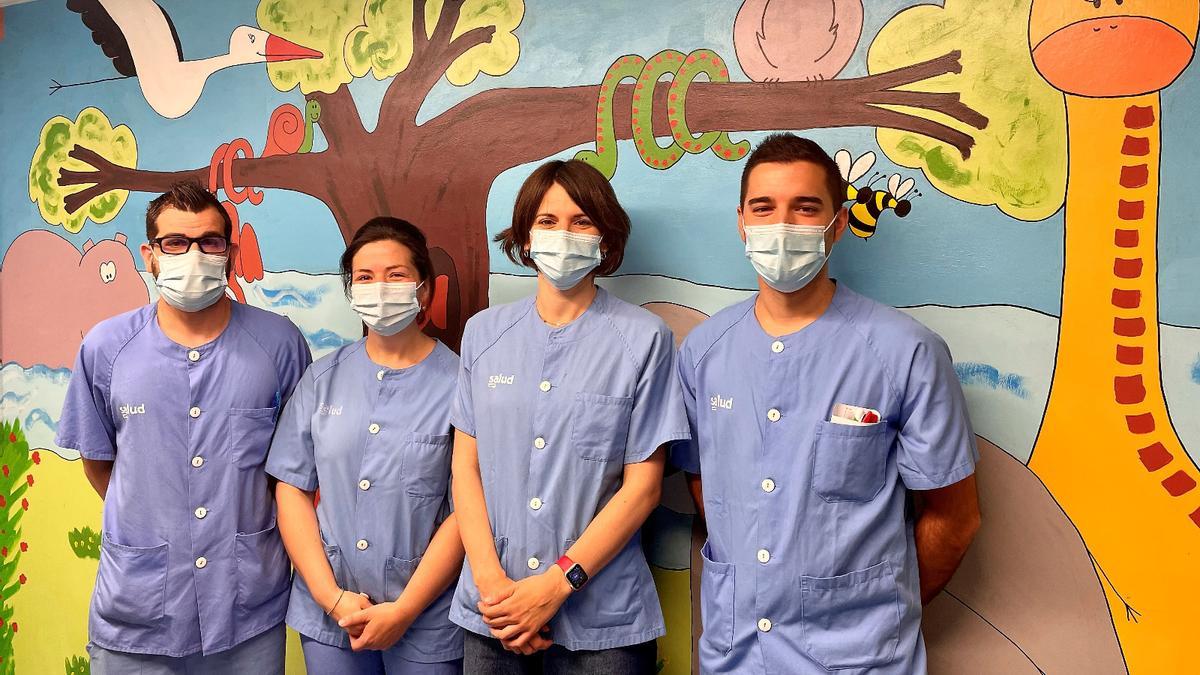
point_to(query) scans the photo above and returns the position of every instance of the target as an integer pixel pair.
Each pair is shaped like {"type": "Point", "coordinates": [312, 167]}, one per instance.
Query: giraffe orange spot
{"type": "Point", "coordinates": [1129, 390]}
{"type": "Point", "coordinates": [1129, 327]}
{"type": "Point", "coordinates": [1195, 516]}
{"type": "Point", "coordinates": [1140, 424]}
{"type": "Point", "coordinates": [1135, 176]}
{"type": "Point", "coordinates": [1126, 238]}
{"type": "Point", "coordinates": [1129, 356]}
{"type": "Point", "coordinates": [1135, 146]}
{"type": "Point", "coordinates": [1178, 483]}
{"type": "Point", "coordinates": [1127, 268]}
{"type": "Point", "coordinates": [1154, 457]}
{"type": "Point", "coordinates": [1126, 299]}
{"type": "Point", "coordinates": [1131, 211]}
{"type": "Point", "coordinates": [1139, 117]}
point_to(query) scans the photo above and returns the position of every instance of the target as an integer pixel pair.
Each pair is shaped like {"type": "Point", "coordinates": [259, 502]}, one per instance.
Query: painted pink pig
{"type": "Point", "coordinates": [51, 295]}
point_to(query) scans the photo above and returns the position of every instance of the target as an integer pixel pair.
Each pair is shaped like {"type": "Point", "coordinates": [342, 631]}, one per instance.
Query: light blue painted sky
{"type": "Point", "coordinates": [946, 252]}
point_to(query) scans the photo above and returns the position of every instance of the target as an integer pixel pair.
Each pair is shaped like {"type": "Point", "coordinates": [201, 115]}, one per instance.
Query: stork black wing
{"type": "Point", "coordinates": [107, 34]}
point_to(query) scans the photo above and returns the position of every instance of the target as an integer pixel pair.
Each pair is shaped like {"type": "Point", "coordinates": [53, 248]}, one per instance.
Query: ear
{"type": "Point", "coordinates": [839, 223]}
{"type": "Point", "coordinates": [120, 238]}
{"type": "Point", "coordinates": [147, 256]}
{"type": "Point", "coordinates": [741, 225]}
{"type": "Point", "coordinates": [87, 245]}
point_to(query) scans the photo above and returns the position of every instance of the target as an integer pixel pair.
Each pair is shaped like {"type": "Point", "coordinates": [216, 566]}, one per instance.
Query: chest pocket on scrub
{"type": "Point", "coordinates": [849, 461]}
{"type": "Point", "coordinates": [250, 431]}
{"type": "Point", "coordinates": [600, 426]}
{"type": "Point", "coordinates": [426, 466]}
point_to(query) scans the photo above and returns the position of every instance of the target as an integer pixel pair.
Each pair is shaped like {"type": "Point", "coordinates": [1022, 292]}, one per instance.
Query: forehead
{"type": "Point", "coordinates": [382, 254]}
{"type": "Point", "coordinates": [784, 180]}
{"type": "Point", "coordinates": [176, 221]}
{"type": "Point", "coordinates": [558, 201]}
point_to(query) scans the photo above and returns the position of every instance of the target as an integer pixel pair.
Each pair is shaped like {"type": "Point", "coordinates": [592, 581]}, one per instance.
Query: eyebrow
{"type": "Point", "coordinates": [201, 236]}
{"type": "Point", "coordinates": [389, 268]}
{"type": "Point", "coordinates": [573, 217]}
{"type": "Point", "coordinates": [802, 199]}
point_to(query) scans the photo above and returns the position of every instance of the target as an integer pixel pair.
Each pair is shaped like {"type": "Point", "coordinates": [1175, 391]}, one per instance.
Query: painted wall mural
{"type": "Point", "coordinates": [1018, 180]}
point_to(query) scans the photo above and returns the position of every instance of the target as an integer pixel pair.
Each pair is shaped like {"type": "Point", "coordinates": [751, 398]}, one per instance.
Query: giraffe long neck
{"type": "Point", "coordinates": [1108, 358]}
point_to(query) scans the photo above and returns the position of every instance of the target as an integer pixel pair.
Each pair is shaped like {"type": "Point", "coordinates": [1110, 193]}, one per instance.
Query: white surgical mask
{"type": "Point", "coordinates": [191, 281]}
{"type": "Point", "coordinates": [386, 307]}
{"type": "Point", "coordinates": [787, 256]}
{"type": "Point", "coordinates": [563, 257]}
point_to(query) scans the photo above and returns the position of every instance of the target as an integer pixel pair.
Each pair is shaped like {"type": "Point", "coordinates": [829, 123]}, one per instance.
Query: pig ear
{"type": "Point", "coordinates": [120, 237]}
{"type": "Point", "coordinates": [87, 245]}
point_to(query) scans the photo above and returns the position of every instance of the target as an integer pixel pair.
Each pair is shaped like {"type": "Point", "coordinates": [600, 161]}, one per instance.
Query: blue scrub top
{"type": "Point", "coordinates": [376, 441]}
{"type": "Point", "coordinates": [190, 559]}
{"type": "Point", "coordinates": [810, 564]}
{"type": "Point", "coordinates": [556, 414]}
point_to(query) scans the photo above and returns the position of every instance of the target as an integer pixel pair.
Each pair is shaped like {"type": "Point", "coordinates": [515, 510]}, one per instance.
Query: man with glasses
{"type": "Point", "coordinates": [172, 407]}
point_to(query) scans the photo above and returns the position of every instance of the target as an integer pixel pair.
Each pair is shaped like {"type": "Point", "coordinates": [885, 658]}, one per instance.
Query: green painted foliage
{"type": "Point", "coordinates": [85, 543]}
{"type": "Point", "coordinates": [1019, 161]}
{"type": "Point", "coordinates": [15, 480]}
{"type": "Point", "coordinates": [59, 135]}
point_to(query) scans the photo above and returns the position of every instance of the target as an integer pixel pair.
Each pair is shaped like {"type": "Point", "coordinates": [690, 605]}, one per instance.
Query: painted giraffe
{"type": "Point", "coordinates": [1106, 449]}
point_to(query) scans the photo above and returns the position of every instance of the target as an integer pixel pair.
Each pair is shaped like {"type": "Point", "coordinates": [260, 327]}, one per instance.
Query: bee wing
{"type": "Point", "coordinates": [893, 183]}
{"type": "Point", "coordinates": [861, 166]}
{"type": "Point", "coordinates": [903, 188]}
{"type": "Point", "coordinates": [842, 157]}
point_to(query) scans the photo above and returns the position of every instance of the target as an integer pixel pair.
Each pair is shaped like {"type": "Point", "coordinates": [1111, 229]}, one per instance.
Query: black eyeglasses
{"type": "Point", "coordinates": [176, 244]}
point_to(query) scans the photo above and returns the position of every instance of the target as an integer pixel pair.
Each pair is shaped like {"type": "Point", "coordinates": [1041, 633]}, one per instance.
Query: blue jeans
{"type": "Point", "coordinates": [320, 658]}
{"type": "Point", "coordinates": [260, 655]}
{"type": "Point", "coordinates": [486, 656]}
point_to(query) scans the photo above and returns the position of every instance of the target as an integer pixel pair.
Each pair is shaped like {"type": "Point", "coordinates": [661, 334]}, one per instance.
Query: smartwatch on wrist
{"type": "Point", "coordinates": [573, 571]}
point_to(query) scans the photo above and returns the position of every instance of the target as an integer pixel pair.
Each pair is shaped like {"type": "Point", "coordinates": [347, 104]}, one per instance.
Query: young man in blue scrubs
{"type": "Point", "coordinates": [817, 415]}
{"type": "Point", "coordinates": [172, 407]}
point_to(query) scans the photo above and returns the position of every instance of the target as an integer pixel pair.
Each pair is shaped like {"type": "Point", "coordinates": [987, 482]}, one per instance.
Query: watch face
{"type": "Point", "coordinates": [576, 577]}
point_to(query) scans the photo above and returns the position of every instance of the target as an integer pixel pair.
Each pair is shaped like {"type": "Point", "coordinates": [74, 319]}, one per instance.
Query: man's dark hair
{"type": "Point", "coordinates": [785, 148]}
{"type": "Point", "coordinates": [187, 196]}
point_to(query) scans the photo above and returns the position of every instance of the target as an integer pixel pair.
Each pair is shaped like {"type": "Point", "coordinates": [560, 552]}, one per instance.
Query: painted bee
{"type": "Point", "coordinates": [870, 203]}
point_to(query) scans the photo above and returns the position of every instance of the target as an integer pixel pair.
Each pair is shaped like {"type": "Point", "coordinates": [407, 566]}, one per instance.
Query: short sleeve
{"type": "Point", "coordinates": [462, 411]}
{"type": "Point", "coordinates": [86, 423]}
{"type": "Point", "coordinates": [293, 367]}
{"type": "Point", "coordinates": [292, 456]}
{"type": "Point", "coordinates": [936, 443]}
{"type": "Point", "coordinates": [658, 416]}
{"type": "Point", "coordinates": [685, 454]}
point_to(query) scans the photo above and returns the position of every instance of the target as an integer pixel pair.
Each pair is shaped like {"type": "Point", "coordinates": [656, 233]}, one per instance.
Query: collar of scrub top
{"type": "Point", "coordinates": [577, 329]}
{"type": "Point", "coordinates": [393, 375]}
{"type": "Point", "coordinates": [173, 350]}
{"type": "Point", "coordinates": [813, 337]}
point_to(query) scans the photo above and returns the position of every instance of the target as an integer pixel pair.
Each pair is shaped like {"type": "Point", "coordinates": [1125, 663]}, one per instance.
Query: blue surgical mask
{"type": "Point", "coordinates": [386, 307]}
{"type": "Point", "coordinates": [191, 281]}
{"type": "Point", "coordinates": [563, 257]}
{"type": "Point", "coordinates": [787, 256]}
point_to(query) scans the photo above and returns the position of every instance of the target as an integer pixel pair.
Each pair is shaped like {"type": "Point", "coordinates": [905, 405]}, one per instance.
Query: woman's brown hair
{"type": "Point", "coordinates": [588, 188]}
{"type": "Point", "coordinates": [386, 228]}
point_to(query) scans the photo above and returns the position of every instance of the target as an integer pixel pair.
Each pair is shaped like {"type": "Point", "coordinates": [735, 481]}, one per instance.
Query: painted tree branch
{"type": "Point", "coordinates": [565, 117]}
{"type": "Point", "coordinates": [340, 121]}
{"type": "Point", "coordinates": [431, 57]}
{"type": "Point", "coordinates": [279, 171]}
{"type": "Point", "coordinates": [533, 123]}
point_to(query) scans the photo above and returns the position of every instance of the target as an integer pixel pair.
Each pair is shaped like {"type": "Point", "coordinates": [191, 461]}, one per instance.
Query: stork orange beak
{"type": "Point", "coordinates": [279, 49]}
